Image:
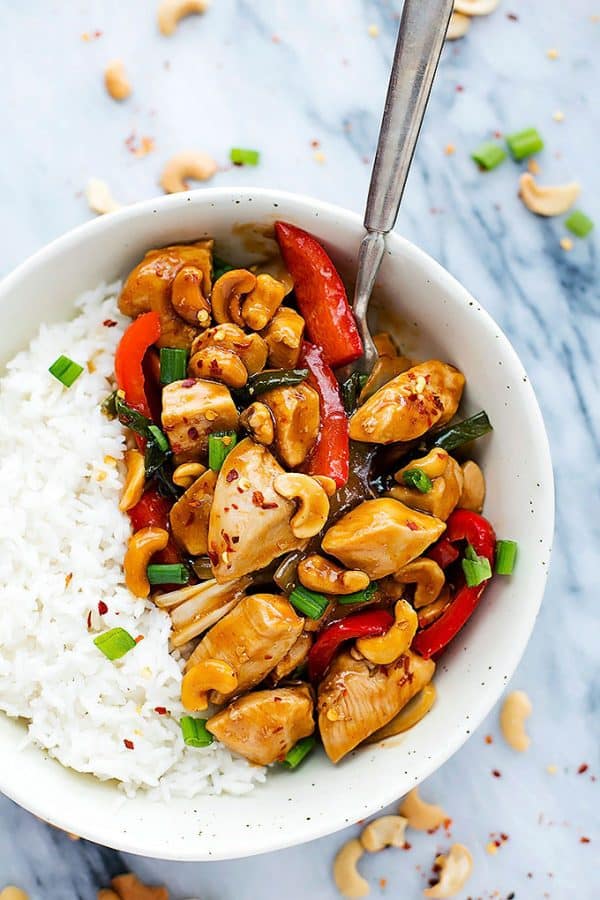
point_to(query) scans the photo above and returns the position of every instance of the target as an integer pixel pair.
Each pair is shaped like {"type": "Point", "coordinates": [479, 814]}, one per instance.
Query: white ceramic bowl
{"type": "Point", "coordinates": [431, 314]}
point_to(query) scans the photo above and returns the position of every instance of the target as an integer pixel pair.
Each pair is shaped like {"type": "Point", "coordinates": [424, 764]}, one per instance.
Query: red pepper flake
{"type": "Point", "coordinates": [193, 433]}
{"type": "Point", "coordinates": [235, 539]}
{"type": "Point", "coordinates": [489, 739]}
{"type": "Point", "coordinates": [496, 773]}
{"type": "Point", "coordinates": [582, 768]}
{"type": "Point", "coordinates": [109, 323]}
{"type": "Point", "coordinates": [459, 88]}
{"type": "Point", "coordinates": [188, 382]}
{"type": "Point", "coordinates": [258, 498]}
{"type": "Point", "coordinates": [102, 607]}
{"type": "Point", "coordinates": [512, 16]}
{"type": "Point", "coordinates": [214, 557]}
{"type": "Point", "coordinates": [129, 744]}
{"type": "Point", "coordinates": [271, 505]}
{"type": "Point", "coordinates": [584, 840]}
{"type": "Point", "coordinates": [89, 620]}
{"type": "Point", "coordinates": [235, 506]}
{"type": "Point", "coordinates": [315, 143]}
{"type": "Point", "coordinates": [68, 579]}
{"type": "Point", "coordinates": [383, 883]}
{"type": "Point", "coordinates": [161, 710]}
{"type": "Point", "coordinates": [407, 846]}
{"type": "Point", "coordinates": [447, 823]}
{"type": "Point", "coordinates": [139, 638]}
{"type": "Point", "coordinates": [412, 525]}
{"type": "Point", "coordinates": [275, 39]}
{"type": "Point", "coordinates": [232, 475]}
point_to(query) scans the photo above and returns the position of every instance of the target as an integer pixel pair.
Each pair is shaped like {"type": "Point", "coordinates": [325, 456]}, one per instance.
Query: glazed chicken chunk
{"type": "Point", "coordinates": [193, 409]}
{"type": "Point", "coordinates": [265, 725]}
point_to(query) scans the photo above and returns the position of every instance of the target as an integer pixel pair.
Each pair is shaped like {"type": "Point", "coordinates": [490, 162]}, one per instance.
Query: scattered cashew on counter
{"type": "Point", "coordinates": [456, 869]}
{"type": "Point", "coordinates": [348, 879]}
{"type": "Point", "coordinates": [460, 20]}
{"type": "Point", "coordinates": [421, 816]}
{"type": "Point", "coordinates": [99, 197]}
{"type": "Point", "coordinates": [386, 831]}
{"type": "Point", "coordinates": [10, 892]}
{"type": "Point", "coordinates": [547, 200]}
{"type": "Point", "coordinates": [171, 11]}
{"type": "Point", "coordinates": [516, 709]}
{"type": "Point", "coordinates": [458, 27]}
{"type": "Point", "coordinates": [116, 81]}
{"type": "Point", "coordinates": [188, 164]}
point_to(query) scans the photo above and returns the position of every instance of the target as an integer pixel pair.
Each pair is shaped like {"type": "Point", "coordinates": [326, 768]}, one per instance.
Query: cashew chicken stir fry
{"type": "Point", "coordinates": [315, 542]}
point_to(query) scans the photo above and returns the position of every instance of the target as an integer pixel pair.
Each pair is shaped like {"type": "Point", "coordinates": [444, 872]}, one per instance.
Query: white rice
{"type": "Point", "coordinates": [62, 540]}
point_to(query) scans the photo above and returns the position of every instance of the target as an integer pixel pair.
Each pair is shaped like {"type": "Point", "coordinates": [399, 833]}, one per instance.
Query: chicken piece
{"type": "Point", "coordinates": [296, 413]}
{"type": "Point", "coordinates": [296, 656]}
{"type": "Point", "coordinates": [409, 405]}
{"type": "Point", "coordinates": [251, 348]}
{"type": "Point", "coordinates": [249, 523]}
{"type": "Point", "coordinates": [356, 698]}
{"type": "Point", "coordinates": [148, 287]}
{"type": "Point", "coordinates": [265, 725]}
{"type": "Point", "coordinates": [191, 410]}
{"type": "Point", "coordinates": [283, 337]}
{"type": "Point", "coordinates": [380, 536]}
{"type": "Point", "coordinates": [447, 478]}
{"type": "Point", "coordinates": [252, 639]}
{"type": "Point", "coordinates": [189, 516]}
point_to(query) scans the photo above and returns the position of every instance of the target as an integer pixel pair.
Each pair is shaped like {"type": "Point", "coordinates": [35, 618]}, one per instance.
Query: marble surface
{"type": "Point", "coordinates": [279, 75]}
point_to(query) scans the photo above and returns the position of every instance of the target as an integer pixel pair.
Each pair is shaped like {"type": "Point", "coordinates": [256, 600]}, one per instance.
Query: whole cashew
{"type": "Point", "coordinates": [516, 709]}
{"type": "Point", "coordinates": [187, 298]}
{"type": "Point", "coordinates": [313, 502]}
{"type": "Point", "coordinates": [205, 676]}
{"type": "Point", "coordinates": [99, 198]}
{"type": "Point", "coordinates": [475, 7]}
{"type": "Point", "coordinates": [219, 364]}
{"type": "Point", "coordinates": [116, 81]}
{"type": "Point", "coordinates": [171, 11]}
{"type": "Point", "coordinates": [428, 614]}
{"type": "Point", "coordinates": [386, 831]}
{"type": "Point", "coordinates": [10, 892]}
{"type": "Point", "coordinates": [134, 480]}
{"type": "Point", "coordinates": [317, 573]}
{"type": "Point", "coordinates": [258, 421]}
{"type": "Point", "coordinates": [348, 879]}
{"type": "Point", "coordinates": [283, 336]}
{"type": "Point", "coordinates": [187, 473]}
{"type": "Point", "coordinates": [428, 577]}
{"type": "Point", "coordinates": [105, 894]}
{"type": "Point", "coordinates": [188, 164]}
{"type": "Point", "coordinates": [327, 483]}
{"type": "Point", "coordinates": [251, 348]}
{"type": "Point", "coordinates": [547, 201]}
{"type": "Point", "coordinates": [456, 869]}
{"type": "Point", "coordinates": [129, 887]}
{"type": "Point", "coordinates": [458, 27]}
{"type": "Point", "coordinates": [262, 302]}
{"type": "Point", "coordinates": [421, 816]}
{"type": "Point", "coordinates": [473, 491]}
{"type": "Point", "coordinates": [140, 549]}
{"type": "Point", "coordinates": [227, 293]}
{"type": "Point", "coordinates": [391, 645]}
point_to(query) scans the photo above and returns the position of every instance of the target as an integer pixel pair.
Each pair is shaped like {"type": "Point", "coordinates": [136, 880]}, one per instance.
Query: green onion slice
{"type": "Point", "coordinates": [453, 436]}
{"type": "Point", "coordinates": [65, 370]}
{"type": "Point", "coordinates": [173, 364]}
{"type": "Point", "coordinates": [160, 437]}
{"type": "Point", "coordinates": [524, 143]}
{"type": "Point", "coordinates": [114, 643]}
{"type": "Point", "coordinates": [168, 573]}
{"type": "Point", "coordinates": [219, 268]}
{"type": "Point", "coordinates": [489, 155]}
{"type": "Point", "coordinates": [298, 753]}
{"type": "Point", "coordinates": [579, 224]}
{"type": "Point", "coordinates": [418, 479]}
{"type": "Point", "coordinates": [350, 390]}
{"type": "Point", "coordinates": [219, 445]}
{"type": "Point", "coordinates": [358, 596]}
{"type": "Point", "coordinates": [506, 556]}
{"type": "Point", "coordinates": [194, 732]}
{"type": "Point", "coordinates": [274, 378]}
{"type": "Point", "coordinates": [309, 603]}
{"type": "Point", "coordinates": [476, 568]}
{"type": "Point", "coordinates": [241, 157]}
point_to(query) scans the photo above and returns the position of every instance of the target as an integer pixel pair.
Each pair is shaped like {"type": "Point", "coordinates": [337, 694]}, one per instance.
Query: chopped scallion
{"type": "Point", "coordinates": [506, 556]}
{"type": "Point", "coordinates": [219, 445]}
{"type": "Point", "coordinates": [65, 370]}
{"type": "Point", "coordinates": [309, 603]}
{"type": "Point", "coordinates": [168, 573]}
{"type": "Point", "coordinates": [489, 155]}
{"type": "Point", "coordinates": [194, 732]}
{"type": "Point", "coordinates": [241, 157]}
{"type": "Point", "coordinates": [524, 143]}
{"type": "Point", "coordinates": [579, 224]}
{"type": "Point", "coordinates": [298, 753]}
{"type": "Point", "coordinates": [476, 568]}
{"type": "Point", "coordinates": [115, 643]}
{"type": "Point", "coordinates": [159, 437]}
{"type": "Point", "coordinates": [418, 479]}
{"type": "Point", "coordinates": [173, 364]}
{"type": "Point", "coordinates": [358, 596]}
{"type": "Point", "coordinates": [453, 436]}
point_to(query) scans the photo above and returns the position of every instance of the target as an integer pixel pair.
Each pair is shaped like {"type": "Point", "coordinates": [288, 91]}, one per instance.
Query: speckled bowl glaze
{"type": "Point", "coordinates": [431, 314]}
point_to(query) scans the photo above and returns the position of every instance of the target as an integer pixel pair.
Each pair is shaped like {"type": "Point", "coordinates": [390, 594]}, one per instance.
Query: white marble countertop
{"type": "Point", "coordinates": [278, 75]}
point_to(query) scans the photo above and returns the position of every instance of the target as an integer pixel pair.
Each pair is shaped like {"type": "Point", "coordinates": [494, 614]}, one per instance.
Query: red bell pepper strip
{"type": "Point", "coordinates": [153, 509]}
{"type": "Point", "coordinates": [362, 624]}
{"type": "Point", "coordinates": [141, 334]}
{"type": "Point", "coordinates": [321, 296]}
{"type": "Point", "coordinates": [443, 553]}
{"type": "Point", "coordinates": [331, 452]}
{"type": "Point", "coordinates": [462, 525]}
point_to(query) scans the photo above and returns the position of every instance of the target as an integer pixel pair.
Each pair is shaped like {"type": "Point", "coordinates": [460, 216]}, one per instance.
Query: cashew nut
{"type": "Point", "coordinates": [140, 549]}
{"type": "Point", "coordinates": [116, 81]}
{"type": "Point", "coordinates": [348, 879]}
{"type": "Point", "coordinates": [421, 816]}
{"type": "Point", "coordinates": [458, 27]}
{"type": "Point", "coordinates": [262, 302]}
{"type": "Point", "coordinates": [516, 709]}
{"type": "Point", "coordinates": [205, 676]}
{"type": "Point", "coordinates": [428, 577]}
{"type": "Point", "coordinates": [386, 831]}
{"type": "Point", "coordinates": [547, 201]}
{"type": "Point", "coordinates": [187, 298]}
{"type": "Point", "coordinates": [250, 348]}
{"type": "Point", "coordinates": [107, 894]}
{"type": "Point", "coordinates": [447, 479]}
{"type": "Point", "coordinates": [227, 293]}
{"type": "Point", "coordinates": [188, 164]}
{"type": "Point", "coordinates": [258, 421]}
{"type": "Point", "coordinates": [283, 336]}
{"type": "Point", "coordinates": [187, 473]}
{"type": "Point", "coordinates": [134, 480]}
{"type": "Point", "coordinates": [409, 716]}
{"type": "Point", "coordinates": [396, 641]}
{"type": "Point", "coordinates": [430, 613]}
{"type": "Point", "coordinates": [219, 364]}
{"type": "Point", "coordinates": [10, 892]}
{"type": "Point", "coordinates": [129, 887]}
{"type": "Point", "coordinates": [473, 491]}
{"type": "Point", "coordinates": [171, 11]}
{"type": "Point", "coordinates": [456, 869]}
{"type": "Point", "coordinates": [328, 484]}
{"type": "Point", "coordinates": [317, 573]}
{"type": "Point", "coordinates": [99, 198]}
{"type": "Point", "coordinates": [313, 502]}
{"type": "Point", "coordinates": [475, 7]}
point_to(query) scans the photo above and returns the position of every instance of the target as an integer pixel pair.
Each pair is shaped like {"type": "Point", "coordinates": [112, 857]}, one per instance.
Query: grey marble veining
{"type": "Point", "coordinates": [276, 75]}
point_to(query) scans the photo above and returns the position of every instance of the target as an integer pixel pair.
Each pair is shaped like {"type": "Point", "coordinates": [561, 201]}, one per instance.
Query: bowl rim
{"type": "Point", "coordinates": [22, 793]}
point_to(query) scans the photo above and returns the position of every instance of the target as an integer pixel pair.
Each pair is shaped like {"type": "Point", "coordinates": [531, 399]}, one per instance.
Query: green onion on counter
{"type": "Point", "coordinates": [489, 155]}
{"type": "Point", "coordinates": [579, 224]}
{"type": "Point", "coordinates": [241, 157]}
{"type": "Point", "coordinates": [524, 143]}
